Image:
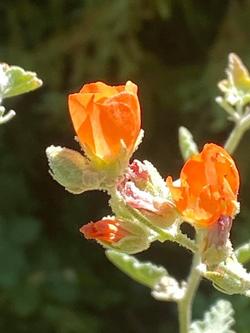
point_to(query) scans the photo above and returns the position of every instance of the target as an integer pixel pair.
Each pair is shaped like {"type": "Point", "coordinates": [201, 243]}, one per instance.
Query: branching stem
{"type": "Point", "coordinates": [241, 126]}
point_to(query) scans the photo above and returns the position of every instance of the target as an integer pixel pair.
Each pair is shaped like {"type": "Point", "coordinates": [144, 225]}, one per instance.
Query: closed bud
{"type": "Point", "coordinates": [72, 170]}
{"type": "Point", "coordinates": [141, 188]}
{"type": "Point", "coordinates": [126, 236]}
{"type": "Point", "coordinates": [216, 246]}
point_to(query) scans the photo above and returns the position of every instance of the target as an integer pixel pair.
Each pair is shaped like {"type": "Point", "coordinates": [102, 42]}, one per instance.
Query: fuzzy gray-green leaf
{"type": "Point", "coordinates": [142, 272]}
{"type": "Point", "coordinates": [16, 81]}
{"type": "Point", "coordinates": [218, 319]}
{"type": "Point", "coordinates": [186, 143]}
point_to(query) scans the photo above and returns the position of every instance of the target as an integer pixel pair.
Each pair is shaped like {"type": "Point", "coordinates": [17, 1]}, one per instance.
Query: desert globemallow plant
{"type": "Point", "coordinates": [147, 208]}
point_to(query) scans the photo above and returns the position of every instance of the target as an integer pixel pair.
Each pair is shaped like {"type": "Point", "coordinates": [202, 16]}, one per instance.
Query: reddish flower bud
{"type": "Point", "coordinates": [126, 236]}
{"type": "Point", "coordinates": [138, 171]}
{"type": "Point", "coordinates": [139, 191]}
{"type": "Point", "coordinates": [105, 230]}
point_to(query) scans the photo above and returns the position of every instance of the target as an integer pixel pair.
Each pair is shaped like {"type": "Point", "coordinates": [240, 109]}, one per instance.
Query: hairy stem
{"type": "Point", "coordinates": [164, 235]}
{"type": "Point", "coordinates": [119, 207]}
{"type": "Point", "coordinates": [185, 304]}
{"type": "Point", "coordinates": [240, 128]}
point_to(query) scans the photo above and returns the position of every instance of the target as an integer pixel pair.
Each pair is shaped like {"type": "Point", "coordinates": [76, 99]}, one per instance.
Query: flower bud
{"type": "Point", "coordinates": [230, 277]}
{"type": "Point", "coordinates": [216, 246]}
{"type": "Point", "coordinates": [72, 170]}
{"type": "Point", "coordinates": [140, 191]}
{"type": "Point", "coordinates": [125, 236]}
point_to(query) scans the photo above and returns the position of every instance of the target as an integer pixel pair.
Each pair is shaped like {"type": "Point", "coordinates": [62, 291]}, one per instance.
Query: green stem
{"type": "Point", "coordinates": [185, 304]}
{"type": "Point", "coordinates": [185, 241]}
{"type": "Point", "coordinates": [164, 235]}
{"type": "Point", "coordinates": [228, 108]}
{"type": "Point", "coordinates": [234, 138]}
{"type": "Point", "coordinates": [119, 207]}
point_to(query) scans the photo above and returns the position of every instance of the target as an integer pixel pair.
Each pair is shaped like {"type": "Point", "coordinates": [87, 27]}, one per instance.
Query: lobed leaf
{"type": "Point", "coordinates": [218, 319]}
{"type": "Point", "coordinates": [16, 81]}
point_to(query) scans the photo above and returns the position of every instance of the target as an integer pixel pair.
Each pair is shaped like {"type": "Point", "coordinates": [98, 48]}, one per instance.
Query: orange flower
{"type": "Point", "coordinates": [106, 230]}
{"type": "Point", "coordinates": [105, 118]}
{"type": "Point", "coordinates": [209, 184]}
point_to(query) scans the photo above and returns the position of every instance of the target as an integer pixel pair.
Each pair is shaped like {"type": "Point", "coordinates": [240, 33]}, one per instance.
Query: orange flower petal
{"type": "Point", "coordinates": [105, 230]}
{"type": "Point", "coordinates": [104, 116]}
{"type": "Point", "coordinates": [209, 184]}
{"type": "Point", "coordinates": [118, 111]}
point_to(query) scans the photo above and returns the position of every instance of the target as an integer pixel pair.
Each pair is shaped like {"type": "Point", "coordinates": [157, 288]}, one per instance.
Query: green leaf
{"type": "Point", "coordinates": [243, 253]}
{"type": "Point", "coordinates": [16, 81]}
{"type": "Point", "coordinates": [186, 143]}
{"type": "Point", "coordinates": [144, 273]}
{"type": "Point", "coordinates": [218, 319]}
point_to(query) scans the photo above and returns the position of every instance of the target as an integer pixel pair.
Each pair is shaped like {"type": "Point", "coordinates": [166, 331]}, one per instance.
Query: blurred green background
{"type": "Point", "coordinates": [51, 279]}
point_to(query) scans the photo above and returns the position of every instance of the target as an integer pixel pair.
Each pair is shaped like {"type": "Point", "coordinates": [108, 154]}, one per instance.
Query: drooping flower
{"type": "Point", "coordinates": [106, 119]}
{"type": "Point", "coordinates": [209, 184]}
